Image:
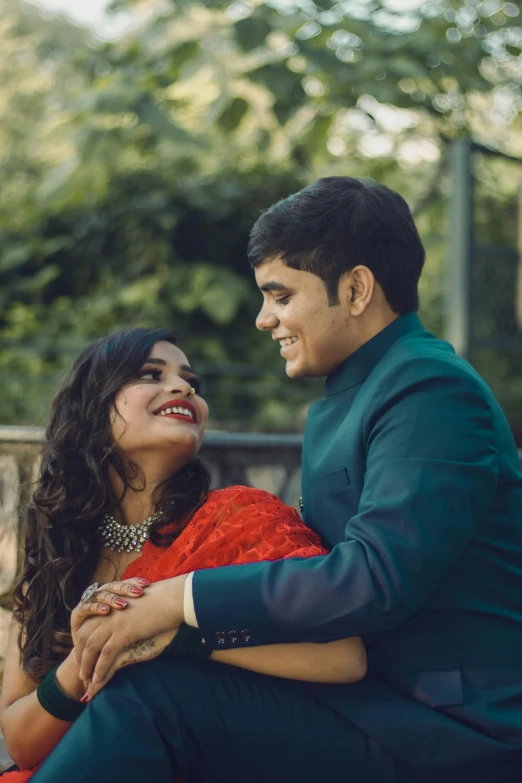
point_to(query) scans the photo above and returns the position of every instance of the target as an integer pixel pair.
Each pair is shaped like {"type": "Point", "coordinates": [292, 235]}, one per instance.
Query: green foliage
{"type": "Point", "coordinates": [133, 171]}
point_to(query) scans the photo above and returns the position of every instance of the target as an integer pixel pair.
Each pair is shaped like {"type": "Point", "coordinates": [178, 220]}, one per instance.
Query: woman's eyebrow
{"type": "Point", "coordinates": [163, 363]}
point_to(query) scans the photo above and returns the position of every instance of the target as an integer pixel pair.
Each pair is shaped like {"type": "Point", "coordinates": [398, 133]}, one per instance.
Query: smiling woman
{"type": "Point", "coordinates": [160, 410]}
{"type": "Point", "coordinates": [123, 502]}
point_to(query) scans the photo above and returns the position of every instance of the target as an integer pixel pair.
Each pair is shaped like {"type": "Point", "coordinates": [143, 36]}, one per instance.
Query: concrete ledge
{"type": "Point", "coordinates": [17, 434]}
{"type": "Point", "coordinates": [219, 438]}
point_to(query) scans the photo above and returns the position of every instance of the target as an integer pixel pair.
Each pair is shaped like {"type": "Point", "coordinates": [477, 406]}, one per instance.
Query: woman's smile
{"type": "Point", "coordinates": [178, 409]}
{"type": "Point", "coordinates": [167, 388]}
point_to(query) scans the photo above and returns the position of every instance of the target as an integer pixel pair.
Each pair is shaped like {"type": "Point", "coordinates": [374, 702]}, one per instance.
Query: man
{"type": "Point", "coordinates": [411, 475]}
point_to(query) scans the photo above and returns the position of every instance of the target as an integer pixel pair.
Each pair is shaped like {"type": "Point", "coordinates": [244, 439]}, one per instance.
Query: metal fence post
{"type": "Point", "coordinates": [457, 315]}
{"type": "Point", "coordinates": [518, 302]}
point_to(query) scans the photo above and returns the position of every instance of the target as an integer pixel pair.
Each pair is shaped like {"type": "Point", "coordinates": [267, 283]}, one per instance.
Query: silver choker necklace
{"type": "Point", "coordinates": [125, 538]}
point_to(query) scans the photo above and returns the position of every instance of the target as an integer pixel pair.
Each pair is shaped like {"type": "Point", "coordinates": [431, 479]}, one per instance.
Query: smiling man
{"type": "Point", "coordinates": [316, 335]}
{"type": "Point", "coordinates": [412, 478]}
{"type": "Point", "coordinates": [336, 264]}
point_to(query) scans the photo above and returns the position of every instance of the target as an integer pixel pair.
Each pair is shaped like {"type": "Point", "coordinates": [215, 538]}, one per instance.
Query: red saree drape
{"type": "Point", "coordinates": [235, 525]}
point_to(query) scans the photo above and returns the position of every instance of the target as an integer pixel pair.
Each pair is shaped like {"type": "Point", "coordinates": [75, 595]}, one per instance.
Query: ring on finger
{"type": "Point", "coordinates": [88, 594]}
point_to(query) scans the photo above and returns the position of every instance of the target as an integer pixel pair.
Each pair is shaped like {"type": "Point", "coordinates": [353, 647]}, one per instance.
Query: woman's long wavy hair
{"type": "Point", "coordinates": [62, 544]}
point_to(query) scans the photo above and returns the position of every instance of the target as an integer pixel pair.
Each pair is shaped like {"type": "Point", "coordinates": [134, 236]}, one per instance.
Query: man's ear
{"type": "Point", "coordinates": [356, 289]}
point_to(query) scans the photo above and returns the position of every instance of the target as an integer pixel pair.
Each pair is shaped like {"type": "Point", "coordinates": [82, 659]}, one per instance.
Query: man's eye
{"type": "Point", "coordinates": [283, 299]}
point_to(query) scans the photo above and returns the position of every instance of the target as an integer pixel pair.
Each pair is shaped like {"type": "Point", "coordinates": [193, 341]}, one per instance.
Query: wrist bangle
{"type": "Point", "coordinates": [55, 701]}
{"type": "Point", "coordinates": [188, 643]}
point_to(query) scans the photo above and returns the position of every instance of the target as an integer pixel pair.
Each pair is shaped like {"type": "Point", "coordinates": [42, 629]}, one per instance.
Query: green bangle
{"type": "Point", "coordinates": [188, 643]}
{"type": "Point", "coordinates": [55, 701]}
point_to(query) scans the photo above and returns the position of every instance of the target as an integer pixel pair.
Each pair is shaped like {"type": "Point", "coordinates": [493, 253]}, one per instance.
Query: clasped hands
{"type": "Point", "coordinates": [136, 628]}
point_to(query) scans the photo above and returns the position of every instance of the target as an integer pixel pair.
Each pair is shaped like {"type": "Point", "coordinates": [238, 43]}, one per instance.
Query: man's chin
{"type": "Point", "coordinates": [294, 370]}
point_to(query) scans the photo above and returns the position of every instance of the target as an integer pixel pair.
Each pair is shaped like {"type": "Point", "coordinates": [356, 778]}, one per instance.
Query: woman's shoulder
{"type": "Point", "coordinates": [242, 495]}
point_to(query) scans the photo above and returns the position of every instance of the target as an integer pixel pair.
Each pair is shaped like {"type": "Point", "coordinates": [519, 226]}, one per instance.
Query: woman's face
{"type": "Point", "coordinates": [157, 412]}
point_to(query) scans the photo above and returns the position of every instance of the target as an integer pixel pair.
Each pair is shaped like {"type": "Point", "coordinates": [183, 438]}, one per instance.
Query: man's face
{"type": "Point", "coordinates": [313, 337]}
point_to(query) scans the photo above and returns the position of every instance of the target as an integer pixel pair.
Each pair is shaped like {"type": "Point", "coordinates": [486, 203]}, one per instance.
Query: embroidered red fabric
{"type": "Point", "coordinates": [235, 525]}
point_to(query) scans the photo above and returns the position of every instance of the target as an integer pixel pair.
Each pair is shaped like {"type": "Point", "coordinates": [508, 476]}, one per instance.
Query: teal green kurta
{"type": "Point", "coordinates": [411, 474]}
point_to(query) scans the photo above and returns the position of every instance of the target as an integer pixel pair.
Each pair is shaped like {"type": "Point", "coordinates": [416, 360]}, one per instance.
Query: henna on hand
{"type": "Point", "coordinates": [136, 652]}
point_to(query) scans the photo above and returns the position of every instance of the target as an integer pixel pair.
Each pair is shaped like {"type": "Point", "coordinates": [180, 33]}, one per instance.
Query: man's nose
{"type": "Point", "coordinates": [266, 320]}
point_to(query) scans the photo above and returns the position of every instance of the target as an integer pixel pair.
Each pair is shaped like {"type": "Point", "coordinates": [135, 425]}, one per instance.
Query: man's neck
{"type": "Point", "coordinates": [372, 327]}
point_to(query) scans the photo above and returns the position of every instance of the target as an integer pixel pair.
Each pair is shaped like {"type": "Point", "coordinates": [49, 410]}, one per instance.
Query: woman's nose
{"type": "Point", "coordinates": [181, 386]}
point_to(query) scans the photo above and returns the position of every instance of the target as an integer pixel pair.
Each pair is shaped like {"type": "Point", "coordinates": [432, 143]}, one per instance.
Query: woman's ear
{"type": "Point", "coordinates": [356, 289]}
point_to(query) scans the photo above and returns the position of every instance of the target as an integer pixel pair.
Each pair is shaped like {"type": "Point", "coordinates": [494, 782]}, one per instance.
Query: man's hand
{"type": "Point", "coordinates": [140, 652]}
{"type": "Point", "coordinates": [99, 641]}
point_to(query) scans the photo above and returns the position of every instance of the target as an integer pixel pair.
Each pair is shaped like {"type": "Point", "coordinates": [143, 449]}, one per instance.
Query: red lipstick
{"type": "Point", "coordinates": [179, 403]}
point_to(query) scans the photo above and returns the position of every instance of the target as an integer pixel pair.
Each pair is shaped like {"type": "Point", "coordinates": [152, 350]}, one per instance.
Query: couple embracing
{"type": "Point", "coordinates": [377, 640]}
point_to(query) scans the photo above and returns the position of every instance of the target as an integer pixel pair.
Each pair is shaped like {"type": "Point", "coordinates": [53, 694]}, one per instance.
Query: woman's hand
{"type": "Point", "coordinates": [99, 641]}
{"type": "Point", "coordinates": [139, 652]}
{"type": "Point", "coordinates": [109, 596]}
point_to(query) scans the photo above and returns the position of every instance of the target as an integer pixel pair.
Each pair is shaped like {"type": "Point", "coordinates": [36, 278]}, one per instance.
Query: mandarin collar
{"type": "Point", "coordinates": [356, 368]}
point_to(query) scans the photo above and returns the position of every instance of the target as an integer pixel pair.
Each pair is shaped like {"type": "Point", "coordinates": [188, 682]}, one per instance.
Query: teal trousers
{"type": "Point", "coordinates": [211, 723]}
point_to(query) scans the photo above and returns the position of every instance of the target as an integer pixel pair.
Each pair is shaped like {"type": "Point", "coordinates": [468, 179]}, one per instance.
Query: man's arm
{"type": "Point", "coordinates": [431, 475]}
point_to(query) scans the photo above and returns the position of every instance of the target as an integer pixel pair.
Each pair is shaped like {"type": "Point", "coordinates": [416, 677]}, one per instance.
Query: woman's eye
{"type": "Point", "coordinates": [150, 375]}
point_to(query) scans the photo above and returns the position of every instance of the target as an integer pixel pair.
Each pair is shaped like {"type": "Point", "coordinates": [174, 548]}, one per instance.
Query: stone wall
{"type": "Point", "coordinates": [270, 462]}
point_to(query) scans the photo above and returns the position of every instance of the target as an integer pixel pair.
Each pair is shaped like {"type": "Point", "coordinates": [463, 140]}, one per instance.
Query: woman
{"type": "Point", "coordinates": [122, 501]}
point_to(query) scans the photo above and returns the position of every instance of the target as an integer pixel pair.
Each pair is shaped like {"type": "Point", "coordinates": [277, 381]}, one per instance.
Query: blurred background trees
{"type": "Point", "coordinates": [133, 170]}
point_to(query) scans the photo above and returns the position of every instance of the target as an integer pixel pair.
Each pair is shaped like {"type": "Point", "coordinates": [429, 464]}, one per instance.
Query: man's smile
{"type": "Point", "coordinates": [286, 342]}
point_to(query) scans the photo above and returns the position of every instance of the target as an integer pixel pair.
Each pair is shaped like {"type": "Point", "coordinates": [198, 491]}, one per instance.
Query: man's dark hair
{"type": "Point", "coordinates": [337, 223]}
